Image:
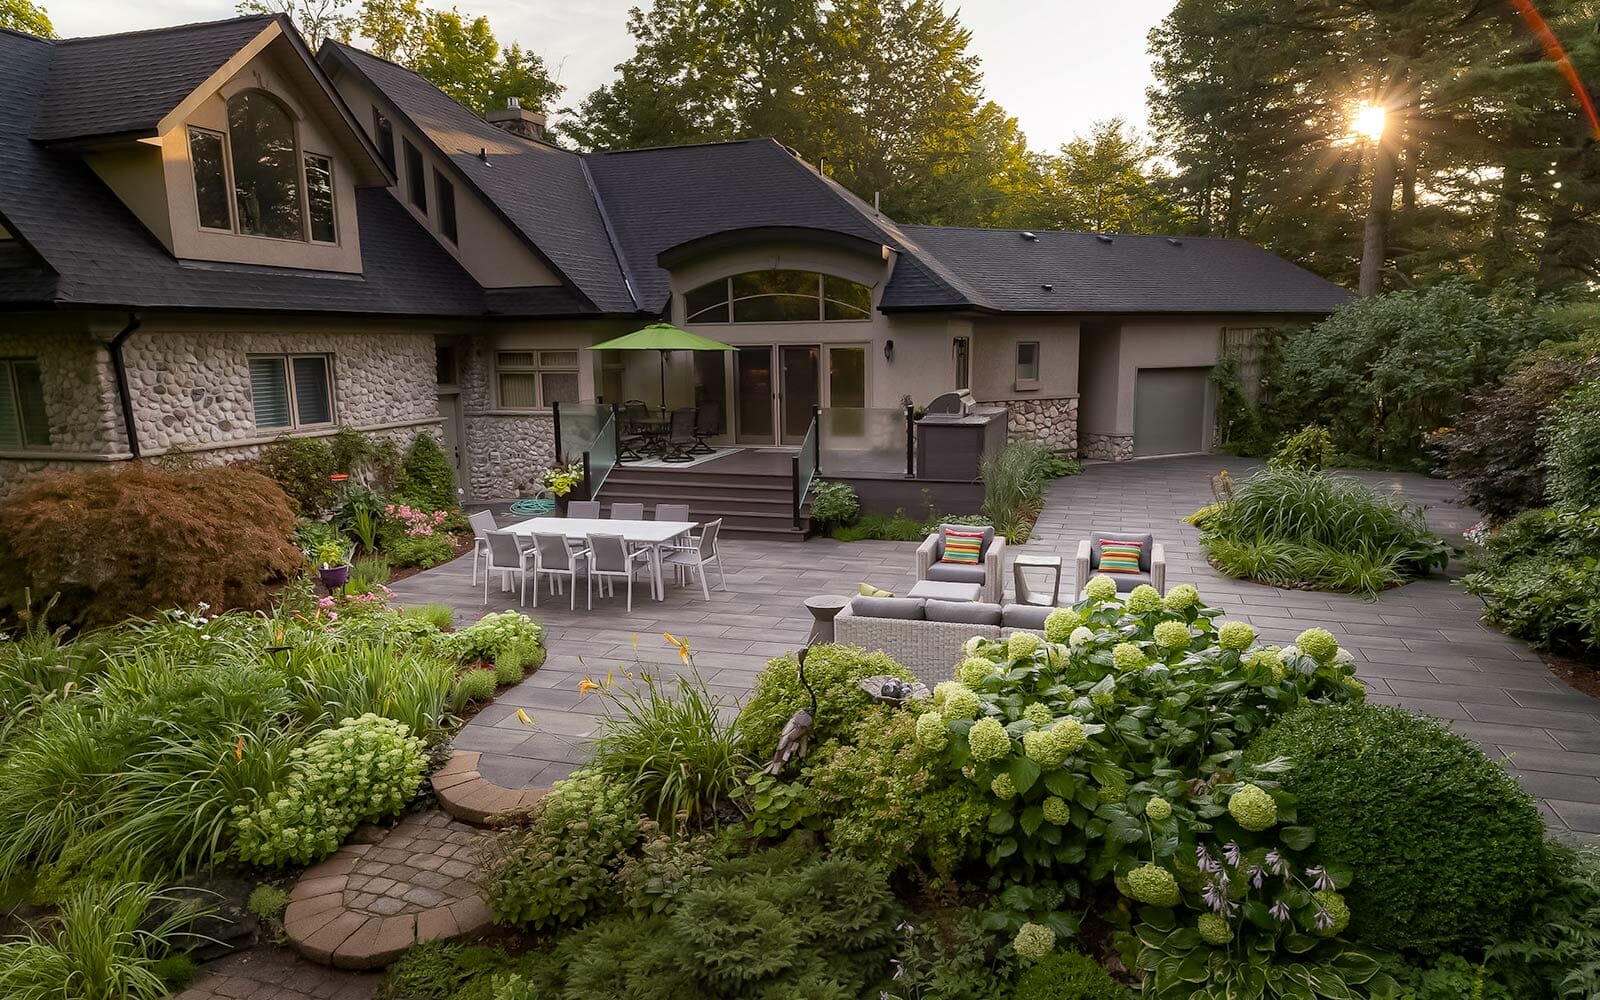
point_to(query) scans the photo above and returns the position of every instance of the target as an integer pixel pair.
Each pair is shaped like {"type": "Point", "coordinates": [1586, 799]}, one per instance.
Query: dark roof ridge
{"type": "Point", "coordinates": [170, 27]}
{"type": "Point", "coordinates": [682, 145]}
{"type": "Point", "coordinates": [611, 234]}
{"type": "Point", "coordinates": [1082, 232]}
{"type": "Point", "coordinates": [27, 36]}
{"type": "Point", "coordinates": [407, 69]}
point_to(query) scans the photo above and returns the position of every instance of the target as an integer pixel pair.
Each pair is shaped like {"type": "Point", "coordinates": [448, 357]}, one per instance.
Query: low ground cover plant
{"type": "Point", "coordinates": [1536, 577]}
{"type": "Point", "coordinates": [1319, 530]}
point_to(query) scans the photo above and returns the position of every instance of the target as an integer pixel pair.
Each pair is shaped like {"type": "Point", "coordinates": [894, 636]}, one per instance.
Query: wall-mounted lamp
{"type": "Point", "coordinates": [888, 350]}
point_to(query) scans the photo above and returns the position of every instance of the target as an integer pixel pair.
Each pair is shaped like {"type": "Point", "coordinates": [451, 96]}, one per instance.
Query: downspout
{"type": "Point", "coordinates": [120, 372]}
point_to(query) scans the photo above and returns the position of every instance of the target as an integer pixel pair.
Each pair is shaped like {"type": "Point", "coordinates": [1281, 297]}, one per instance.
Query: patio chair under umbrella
{"type": "Point", "coordinates": [662, 337]}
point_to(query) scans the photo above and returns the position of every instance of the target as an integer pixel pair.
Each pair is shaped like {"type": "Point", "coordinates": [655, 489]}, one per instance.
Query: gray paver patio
{"type": "Point", "coordinates": [1420, 646]}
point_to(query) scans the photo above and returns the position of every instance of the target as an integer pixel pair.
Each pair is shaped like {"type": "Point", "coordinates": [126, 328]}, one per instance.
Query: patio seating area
{"type": "Point", "coordinates": [1421, 646]}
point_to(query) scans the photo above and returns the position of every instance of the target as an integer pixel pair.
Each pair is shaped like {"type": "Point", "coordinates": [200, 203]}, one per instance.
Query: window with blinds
{"type": "Point", "coordinates": [291, 390]}
{"type": "Point", "coordinates": [23, 420]}
{"type": "Point", "coordinates": [530, 380]}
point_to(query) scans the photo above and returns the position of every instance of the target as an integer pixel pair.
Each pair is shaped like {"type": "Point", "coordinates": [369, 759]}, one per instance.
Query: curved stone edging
{"type": "Point", "coordinates": [365, 905]}
{"type": "Point", "coordinates": [472, 798]}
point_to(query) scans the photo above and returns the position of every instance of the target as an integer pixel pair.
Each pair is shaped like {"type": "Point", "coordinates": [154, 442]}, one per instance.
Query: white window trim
{"type": "Point", "coordinates": [1021, 383]}
{"type": "Point", "coordinates": [535, 369]}
{"type": "Point", "coordinates": [305, 196]}
{"type": "Point", "coordinates": [294, 423]}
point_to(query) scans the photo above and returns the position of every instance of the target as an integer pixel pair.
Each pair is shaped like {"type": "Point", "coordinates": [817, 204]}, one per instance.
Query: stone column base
{"type": "Point", "coordinates": [1108, 447]}
{"type": "Point", "coordinates": [1051, 421]}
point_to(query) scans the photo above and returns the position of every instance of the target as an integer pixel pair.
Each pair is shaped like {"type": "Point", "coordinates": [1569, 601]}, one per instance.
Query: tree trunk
{"type": "Point", "coordinates": [1375, 234]}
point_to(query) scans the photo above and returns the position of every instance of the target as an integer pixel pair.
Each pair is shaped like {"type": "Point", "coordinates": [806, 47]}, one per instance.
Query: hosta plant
{"type": "Point", "coordinates": [364, 770]}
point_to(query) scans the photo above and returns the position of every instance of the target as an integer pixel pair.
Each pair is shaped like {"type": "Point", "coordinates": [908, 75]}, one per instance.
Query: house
{"type": "Point", "coordinates": [211, 237]}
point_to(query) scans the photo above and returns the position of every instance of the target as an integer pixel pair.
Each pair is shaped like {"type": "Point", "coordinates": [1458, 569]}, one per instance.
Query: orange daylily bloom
{"type": "Point", "coordinates": [523, 718]}
{"type": "Point", "coordinates": [671, 638]}
{"type": "Point", "coordinates": [238, 749]}
{"type": "Point", "coordinates": [586, 685]}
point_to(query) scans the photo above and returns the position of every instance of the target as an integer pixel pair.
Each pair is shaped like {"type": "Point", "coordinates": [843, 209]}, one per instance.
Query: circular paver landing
{"type": "Point", "coordinates": [368, 903]}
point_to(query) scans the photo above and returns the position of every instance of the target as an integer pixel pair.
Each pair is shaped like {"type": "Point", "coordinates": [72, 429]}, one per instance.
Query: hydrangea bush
{"type": "Point", "coordinates": [1110, 752]}
{"type": "Point", "coordinates": [362, 771]}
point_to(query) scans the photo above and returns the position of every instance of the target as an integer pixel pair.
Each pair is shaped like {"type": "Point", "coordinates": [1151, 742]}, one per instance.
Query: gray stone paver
{"type": "Point", "coordinates": [267, 973]}
{"type": "Point", "coordinates": [1421, 646]}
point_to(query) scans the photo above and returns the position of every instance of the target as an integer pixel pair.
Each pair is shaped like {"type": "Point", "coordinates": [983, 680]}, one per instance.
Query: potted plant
{"type": "Point", "coordinates": [333, 564]}
{"type": "Point", "coordinates": [561, 480]}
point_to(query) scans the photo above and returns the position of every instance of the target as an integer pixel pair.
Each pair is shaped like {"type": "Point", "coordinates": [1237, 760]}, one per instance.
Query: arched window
{"type": "Point", "coordinates": [777, 297]}
{"type": "Point", "coordinates": [266, 166]}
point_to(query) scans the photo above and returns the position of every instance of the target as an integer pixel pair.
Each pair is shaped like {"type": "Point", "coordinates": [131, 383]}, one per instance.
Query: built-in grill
{"type": "Point", "coordinates": [954, 433]}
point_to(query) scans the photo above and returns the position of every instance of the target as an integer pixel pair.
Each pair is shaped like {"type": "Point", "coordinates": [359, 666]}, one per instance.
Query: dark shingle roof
{"type": "Point", "coordinates": [101, 255]}
{"type": "Point", "coordinates": [1127, 274]}
{"type": "Point", "coordinates": [541, 190]}
{"type": "Point", "coordinates": [126, 83]}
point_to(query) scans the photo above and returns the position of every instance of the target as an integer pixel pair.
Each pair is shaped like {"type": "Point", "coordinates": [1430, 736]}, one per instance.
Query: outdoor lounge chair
{"type": "Point", "coordinates": [989, 573]}
{"type": "Point", "coordinates": [695, 558]}
{"type": "Point", "coordinates": [557, 559]}
{"type": "Point", "coordinates": [707, 423]}
{"type": "Point", "coordinates": [1152, 562]}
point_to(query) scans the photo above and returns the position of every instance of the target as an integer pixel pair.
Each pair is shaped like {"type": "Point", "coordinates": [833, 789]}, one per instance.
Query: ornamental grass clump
{"type": "Point", "coordinates": [1291, 528]}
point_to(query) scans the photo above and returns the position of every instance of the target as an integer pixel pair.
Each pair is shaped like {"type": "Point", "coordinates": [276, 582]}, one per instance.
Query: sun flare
{"type": "Point", "coordinates": [1368, 121]}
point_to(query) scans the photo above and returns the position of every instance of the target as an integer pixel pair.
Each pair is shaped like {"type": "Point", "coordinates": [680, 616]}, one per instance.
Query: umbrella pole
{"type": "Point", "coordinates": [663, 382]}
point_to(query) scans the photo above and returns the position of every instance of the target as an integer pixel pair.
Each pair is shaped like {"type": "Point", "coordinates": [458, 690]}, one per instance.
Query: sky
{"type": "Point", "coordinates": [1057, 65]}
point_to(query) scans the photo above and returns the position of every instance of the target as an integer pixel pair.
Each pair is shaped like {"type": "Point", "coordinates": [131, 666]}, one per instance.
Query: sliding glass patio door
{"type": "Point", "coordinates": [753, 389]}
{"type": "Point", "coordinates": [775, 388]}
{"type": "Point", "coordinates": [801, 389]}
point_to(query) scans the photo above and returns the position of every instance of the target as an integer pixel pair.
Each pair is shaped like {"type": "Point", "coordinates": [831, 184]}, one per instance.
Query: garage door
{"type": "Point", "coordinates": [1169, 411]}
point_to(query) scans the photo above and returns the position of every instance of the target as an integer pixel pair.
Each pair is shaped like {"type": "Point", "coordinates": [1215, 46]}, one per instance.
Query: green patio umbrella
{"type": "Point", "coordinates": [662, 337]}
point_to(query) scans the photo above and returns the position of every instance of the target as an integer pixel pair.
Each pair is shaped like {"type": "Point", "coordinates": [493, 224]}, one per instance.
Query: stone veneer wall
{"type": "Point", "coordinates": [79, 399]}
{"type": "Point", "coordinates": [1108, 447]}
{"type": "Point", "coordinates": [1052, 422]}
{"type": "Point", "coordinates": [507, 451]}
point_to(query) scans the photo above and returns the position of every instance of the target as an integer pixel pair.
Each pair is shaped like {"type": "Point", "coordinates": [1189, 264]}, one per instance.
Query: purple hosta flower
{"type": "Point", "coordinates": [1215, 894]}
{"type": "Point", "coordinates": [1257, 876]}
{"type": "Point", "coordinates": [1231, 852]}
{"type": "Point", "coordinates": [1324, 919]}
{"type": "Point", "coordinates": [1280, 912]}
{"type": "Point", "coordinates": [1275, 863]}
{"type": "Point", "coordinates": [1203, 859]}
{"type": "Point", "coordinates": [1322, 881]}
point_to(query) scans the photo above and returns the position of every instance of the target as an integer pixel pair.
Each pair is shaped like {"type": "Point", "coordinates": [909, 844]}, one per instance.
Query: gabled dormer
{"type": "Point", "coordinates": [225, 140]}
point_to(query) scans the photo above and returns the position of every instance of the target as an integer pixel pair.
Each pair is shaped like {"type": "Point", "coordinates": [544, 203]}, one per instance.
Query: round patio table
{"type": "Point", "coordinates": [824, 609]}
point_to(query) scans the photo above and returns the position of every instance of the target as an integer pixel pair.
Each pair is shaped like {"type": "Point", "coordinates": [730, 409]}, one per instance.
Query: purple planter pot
{"type": "Point", "coordinates": [334, 577]}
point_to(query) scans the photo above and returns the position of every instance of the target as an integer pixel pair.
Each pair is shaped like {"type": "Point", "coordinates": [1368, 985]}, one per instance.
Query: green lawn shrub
{"type": "Point", "coordinates": [1448, 848]}
{"type": "Point", "coordinates": [1286, 527]}
{"type": "Point", "coordinates": [1309, 449]}
{"type": "Point", "coordinates": [214, 535]}
{"type": "Point", "coordinates": [1573, 458]}
{"type": "Point", "coordinates": [494, 635]}
{"type": "Point", "coordinates": [834, 503]}
{"type": "Point", "coordinates": [472, 686]}
{"type": "Point", "coordinates": [367, 575]}
{"type": "Point", "coordinates": [1555, 952]}
{"type": "Point", "coordinates": [776, 924]}
{"type": "Point", "coordinates": [301, 467]}
{"type": "Point", "coordinates": [834, 672]}
{"type": "Point", "coordinates": [1536, 577]}
{"type": "Point", "coordinates": [1496, 451]}
{"type": "Point", "coordinates": [1068, 975]}
{"type": "Point", "coordinates": [366, 769]}
{"type": "Point", "coordinates": [426, 478]}
{"type": "Point", "coordinates": [1384, 373]}
{"type": "Point", "coordinates": [882, 528]}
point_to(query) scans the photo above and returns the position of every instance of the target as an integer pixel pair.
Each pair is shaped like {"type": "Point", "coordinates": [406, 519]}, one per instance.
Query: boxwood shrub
{"type": "Point", "coordinates": [1448, 849]}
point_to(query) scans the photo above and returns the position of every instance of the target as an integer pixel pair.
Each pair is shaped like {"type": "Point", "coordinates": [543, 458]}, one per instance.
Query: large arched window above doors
{"type": "Point", "coordinates": [266, 166]}
{"type": "Point", "coordinates": [778, 296]}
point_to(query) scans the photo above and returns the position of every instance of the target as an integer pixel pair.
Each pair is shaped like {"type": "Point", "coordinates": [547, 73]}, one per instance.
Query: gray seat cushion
{"type": "Point", "coordinates": [905, 608]}
{"type": "Point", "coordinates": [964, 612]}
{"type": "Point", "coordinates": [1029, 616]}
{"type": "Point", "coordinates": [957, 573]}
{"type": "Point", "coordinates": [983, 549]}
{"type": "Point", "coordinates": [1121, 536]}
{"type": "Point", "coordinates": [1127, 581]}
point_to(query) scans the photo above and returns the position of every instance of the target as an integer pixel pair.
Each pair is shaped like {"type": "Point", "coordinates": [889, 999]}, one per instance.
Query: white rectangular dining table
{"type": "Point", "coordinates": [650, 534]}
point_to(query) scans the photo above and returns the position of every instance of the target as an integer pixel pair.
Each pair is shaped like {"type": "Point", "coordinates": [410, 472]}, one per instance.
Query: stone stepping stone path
{"type": "Point", "coordinates": [467, 795]}
{"type": "Point", "coordinates": [390, 889]}
{"type": "Point", "coordinates": [369, 902]}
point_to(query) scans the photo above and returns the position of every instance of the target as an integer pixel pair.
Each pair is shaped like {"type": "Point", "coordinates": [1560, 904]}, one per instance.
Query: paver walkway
{"type": "Point", "coordinates": [1421, 645]}
{"type": "Point", "coordinates": [266, 973]}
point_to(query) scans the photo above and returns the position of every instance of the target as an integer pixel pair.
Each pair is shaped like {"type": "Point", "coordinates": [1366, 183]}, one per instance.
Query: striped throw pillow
{"type": "Point", "coordinates": [1118, 556]}
{"type": "Point", "coordinates": [962, 546]}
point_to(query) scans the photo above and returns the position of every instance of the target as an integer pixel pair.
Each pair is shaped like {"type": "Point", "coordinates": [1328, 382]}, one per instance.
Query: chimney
{"type": "Point", "coordinates": [517, 120]}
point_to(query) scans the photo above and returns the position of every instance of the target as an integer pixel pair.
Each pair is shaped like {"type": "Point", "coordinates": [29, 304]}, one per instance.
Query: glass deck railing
{"type": "Point", "coordinates": [805, 467]}
{"type": "Point", "coordinates": [601, 457]}
{"type": "Point", "coordinates": [577, 427]}
{"type": "Point", "coordinates": [864, 441]}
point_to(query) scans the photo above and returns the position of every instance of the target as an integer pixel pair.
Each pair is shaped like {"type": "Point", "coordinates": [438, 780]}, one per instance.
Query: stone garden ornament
{"type": "Point", "coordinates": [795, 740]}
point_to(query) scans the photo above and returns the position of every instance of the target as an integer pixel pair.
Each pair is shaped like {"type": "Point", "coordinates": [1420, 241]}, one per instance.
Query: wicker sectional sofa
{"type": "Point", "coordinates": [926, 636]}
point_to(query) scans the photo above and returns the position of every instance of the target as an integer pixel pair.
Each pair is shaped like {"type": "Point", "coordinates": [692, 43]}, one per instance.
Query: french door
{"type": "Point", "coordinates": [775, 387]}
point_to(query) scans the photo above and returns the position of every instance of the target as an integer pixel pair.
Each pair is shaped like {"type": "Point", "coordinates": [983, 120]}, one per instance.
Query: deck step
{"type": "Point", "coordinates": [750, 504]}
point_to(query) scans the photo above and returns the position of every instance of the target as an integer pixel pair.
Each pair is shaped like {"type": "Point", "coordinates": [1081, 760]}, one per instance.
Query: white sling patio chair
{"type": "Point", "coordinates": [609, 559]}
{"type": "Point", "coordinates": [506, 555]}
{"type": "Point", "coordinates": [482, 523]}
{"type": "Point", "coordinates": [696, 558]}
{"type": "Point", "coordinates": [557, 559]}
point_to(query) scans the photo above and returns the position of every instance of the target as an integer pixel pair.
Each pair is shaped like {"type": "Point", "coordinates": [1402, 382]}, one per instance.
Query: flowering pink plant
{"type": "Point", "coordinates": [419, 523]}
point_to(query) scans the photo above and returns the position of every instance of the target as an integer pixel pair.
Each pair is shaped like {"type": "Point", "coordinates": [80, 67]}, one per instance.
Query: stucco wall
{"type": "Point", "coordinates": [1047, 412]}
